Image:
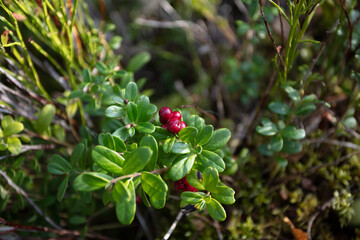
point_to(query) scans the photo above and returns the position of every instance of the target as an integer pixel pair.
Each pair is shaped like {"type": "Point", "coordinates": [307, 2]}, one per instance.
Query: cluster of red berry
{"type": "Point", "coordinates": [171, 120]}
{"type": "Point", "coordinates": [183, 185]}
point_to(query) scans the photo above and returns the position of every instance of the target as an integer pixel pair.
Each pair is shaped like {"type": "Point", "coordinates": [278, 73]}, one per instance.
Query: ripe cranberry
{"type": "Point", "coordinates": [183, 125]}
{"type": "Point", "coordinates": [176, 115]}
{"type": "Point", "coordinates": [179, 186]}
{"type": "Point", "coordinates": [190, 188]}
{"type": "Point", "coordinates": [138, 199]}
{"type": "Point", "coordinates": [165, 114]}
{"type": "Point", "coordinates": [164, 126]}
{"type": "Point", "coordinates": [174, 126]}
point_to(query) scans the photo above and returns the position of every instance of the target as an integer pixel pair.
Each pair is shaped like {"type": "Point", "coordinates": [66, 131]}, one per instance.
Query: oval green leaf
{"type": "Point", "coordinates": [58, 165]}
{"type": "Point", "coordinates": [108, 159]}
{"type": "Point", "coordinates": [91, 181]}
{"type": "Point", "coordinates": [137, 160]}
{"type": "Point", "coordinates": [218, 139]}
{"type": "Point", "coordinates": [156, 188]}
{"type": "Point", "coordinates": [181, 166]}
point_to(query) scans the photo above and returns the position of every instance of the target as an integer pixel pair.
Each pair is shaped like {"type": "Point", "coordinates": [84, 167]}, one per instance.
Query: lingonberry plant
{"type": "Point", "coordinates": [129, 160]}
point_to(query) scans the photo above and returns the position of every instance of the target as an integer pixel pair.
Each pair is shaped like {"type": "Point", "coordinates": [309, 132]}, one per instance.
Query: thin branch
{"type": "Point", "coordinates": [314, 61]}
{"type": "Point", "coordinates": [270, 34]}
{"type": "Point", "coordinates": [26, 148]}
{"type": "Point", "coordinates": [323, 207]}
{"type": "Point", "coordinates": [173, 226]}
{"type": "Point", "coordinates": [163, 24]}
{"type": "Point", "coordinates": [31, 202]}
{"type": "Point", "coordinates": [334, 142]}
{"type": "Point", "coordinates": [61, 232]}
{"type": "Point", "coordinates": [115, 180]}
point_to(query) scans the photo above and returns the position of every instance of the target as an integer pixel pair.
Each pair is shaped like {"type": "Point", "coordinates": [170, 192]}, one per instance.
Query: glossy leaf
{"type": "Point", "coordinates": [188, 134]}
{"type": "Point", "coordinates": [197, 122]}
{"type": "Point", "coordinates": [58, 165]}
{"type": "Point", "coordinates": [14, 145]}
{"type": "Point", "coordinates": [13, 128]}
{"type": "Point", "coordinates": [91, 181]}
{"type": "Point", "coordinates": [193, 180]}
{"type": "Point", "coordinates": [192, 197]}
{"type": "Point", "coordinates": [150, 141]}
{"type": "Point", "coordinates": [210, 179]}
{"type": "Point", "coordinates": [291, 132]}
{"type": "Point", "coordinates": [279, 108]}
{"type": "Point", "coordinates": [218, 140]}
{"type": "Point", "coordinates": [78, 154]}
{"type": "Point", "coordinates": [62, 188]}
{"type": "Point", "coordinates": [145, 109]}
{"type": "Point", "coordinates": [168, 144]}
{"type": "Point", "coordinates": [115, 112]}
{"type": "Point", "coordinates": [119, 144]}
{"type": "Point", "coordinates": [45, 118]}
{"type": "Point", "coordinates": [181, 148]}
{"type": "Point", "coordinates": [132, 112]}
{"type": "Point", "coordinates": [215, 210]}
{"type": "Point", "coordinates": [305, 108]}
{"type": "Point", "coordinates": [145, 127]}
{"type": "Point", "coordinates": [205, 134]}
{"type": "Point", "coordinates": [131, 91]}
{"type": "Point", "coordinates": [291, 147]}
{"type": "Point", "coordinates": [124, 195]}
{"type": "Point", "coordinates": [224, 195]}
{"type": "Point", "coordinates": [137, 160]}
{"type": "Point", "coordinates": [108, 159]}
{"type": "Point", "coordinates": [156, 188]}
{"type": "Point", "coordinates": [181, 166]}
{"type": "Point", "coordinates": [122, 133]}
{"type": "Point", "coordinates": [211, 159]}
{"type": "Point", "coordinates": [107, 140]}
{"type": "Point", "coordinates": [276, 143]}
{"type": "Point", "coordinates": [138, 61]}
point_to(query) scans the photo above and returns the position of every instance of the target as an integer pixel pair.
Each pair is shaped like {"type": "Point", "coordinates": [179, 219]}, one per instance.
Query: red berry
{"type": "Point", "coordinates": [176, 115]}
{"type": "Point", "coordinates": [179, 186]}
{"type": "Point", "coordinates": [183, 125]}
{"type": "Point", "coordinates": [190, 188]}
{"type": "Point", "coordinates": [165, 114]}
{"type": "Point", "coordinates": [138, 199]}
{"type": "Point", "coordinates": [174, 126]}
{"type": "Point", "coordinates": [164, 126]}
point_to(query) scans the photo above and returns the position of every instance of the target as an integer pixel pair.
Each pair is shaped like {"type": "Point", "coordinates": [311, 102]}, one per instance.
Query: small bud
{"type": "Point", "coordinates": [128, 126]}
{"type": "Point", "coordinates": [126, 101]}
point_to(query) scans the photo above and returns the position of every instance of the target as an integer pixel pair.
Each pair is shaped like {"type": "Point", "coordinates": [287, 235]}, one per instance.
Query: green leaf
{"type": "Point", "coordinates": [119, 144]}
{"type": "Point", "coordinates": [161, 134]}
{"type": "Point", "coordinates": [115, 42]}
{"type": "Point", "coordinates": [156, 188]}
{"type": "Point", "coordinates": [181, 148]}
{"type": "Point", "coordinates": [168, 144]}
{"type": "Point", "coordinates": [45, 118]}
{"type": "Point", "coordinates": [78, 154]}
{"type": "Point", "coordinates": [181, 166]}
{"type": "Point", "coordinates": [91, 181]}
{"type": "Point", "coordinates": [5, 37]}
{"type": "Point", "coordinates": [108, 159]}
{"type": "Point", "coordinates": [13, 128]}
{"type": "Point", "coordinates": [193, 180]}
{"type": "Point", "coordinates": [292, 133]}
{"type": "Point", "coordinates": [138, 61]}
{"type": "Point", "coordinates": [115, 112]}
{"type": "Point", "coordinates": [86, 75]}
{"type": "Point", "coordinates": [192, 197]}
{"type": "Point", "coordinates": [132, 112]}
{"type": "Point", "coordinates": [146, 110]}
{"type": "Point", "coordinates": [137, 160]}
{"type": "Point", "coordinates": [145, 127]}
{"type": "Point", "coordinates": [350, 122]}
{"type": "Point", "coordinates": [215, 210]}
{"type": "Point", "coordinates": [122, 133]}
{"type": "Point", "coordinates": [101, 67]}
{"type": "Point", "coordinates": [131, 91]}
{"type": "Point", "coordinates": [211, 159]}
{"type": "Point", "coordinates": [291, 147]}
{"type": "Point", "coordinates": [107, 140]}
{"type": "Point", "coordinates": [276, 143]}
{"type": "Point", "coordinates": [205, 135]}
{"type": "Point", "coordinates": [125, 201]}
{"type": "Point", "coordinates": [282, 162]}
{"type": "Point", "coordinates": [188, 134]}
{"type": "Point", "coordinates": [293, 93]}
{"type": "Point", "coordinates": [7, 121]}
{"type": "Point", "coordinates": [58, 165]}
{"type": "Point", "coordinates": [279, 108]}
{"type": "Point", "coordinates": [150, 141]}
{"type": "Point", "coordinates": [62, 188]}
{"type": "Point", "coordinates": [77, 220]}
{"type": "Point", "coordinates": [268, 128]}
{"type": "Point", "coordinates": [305, 108]}
{"type": "Point", "coordinates": [197, 122]}
{"type": "Point", "coordinates": [14, 145]}
{"type": "Point", "coordinates": [224, 195]}
{"type": "Point", "coordinates": [265, 149]}
{"type": "Point", "coordinates": [210, 179]}
{"type": "Point", "coordinates": [218, 139]}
